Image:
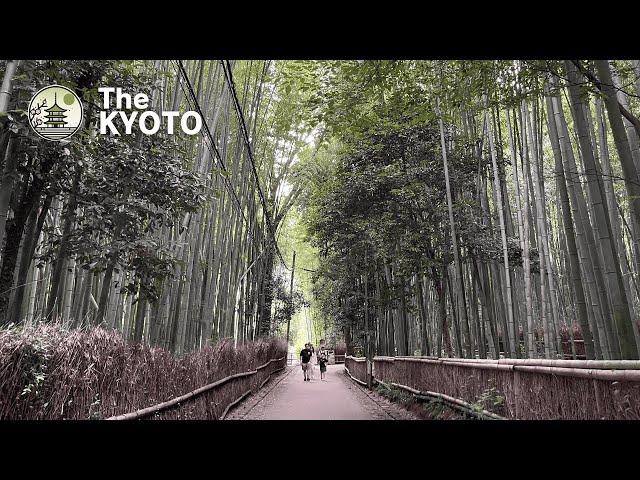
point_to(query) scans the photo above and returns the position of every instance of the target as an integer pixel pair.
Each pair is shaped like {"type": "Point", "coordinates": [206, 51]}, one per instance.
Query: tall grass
{"type": "Point", "coordinates": [49, 372]}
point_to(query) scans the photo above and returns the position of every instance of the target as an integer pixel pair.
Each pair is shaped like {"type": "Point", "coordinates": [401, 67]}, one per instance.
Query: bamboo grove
{"type": "Point", "coordinates": [456, 208]}
{"type": "Point", "coordinates": [479, 208]}
{"type": "Point", "coordinates": [171, 239]}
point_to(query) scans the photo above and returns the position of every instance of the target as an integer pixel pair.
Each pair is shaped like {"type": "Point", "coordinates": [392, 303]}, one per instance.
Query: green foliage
{"type": "Point", "coordinates": [395, 394]}
{"type": "Point", "coordinates": [491, 400]}
{"type": "Point", "coordinates": [434, 409]}
{"type": "Point", "coordinates": [294, 82]}
{"type": "Point", "coordinates": [384, 200]}
{"type": "Point", "coordinates": [131, 188]}
{"type": "Point", "coordinates": [94, 408]}
{"type": "Point", "coordinates": [375, 193]}
{"type": "Point", "coordinates": [286, 303]}
{"type": "Point", "coordinates": [34, 368]}
{"type": "Point", "coordinates": [126, 187]}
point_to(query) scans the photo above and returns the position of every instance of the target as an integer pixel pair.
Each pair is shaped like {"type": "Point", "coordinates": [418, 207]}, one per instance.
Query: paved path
{"type": "Point", "coordinates": [336, 397]}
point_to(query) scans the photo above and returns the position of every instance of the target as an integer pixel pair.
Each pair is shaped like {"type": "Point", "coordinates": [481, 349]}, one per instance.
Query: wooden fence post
{"type": "Point", "coordinates": [598, 399]}
{"type": "Point", "coordinates": [516, 392]}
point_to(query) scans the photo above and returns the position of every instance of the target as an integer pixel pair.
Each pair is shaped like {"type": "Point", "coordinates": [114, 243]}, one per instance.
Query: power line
{"type": "Point", "coordinates": [211, 144]}
{"type": "Point", "coordinates": [229, 78]}
{"type": "Point", "coordinates": [217, 156]}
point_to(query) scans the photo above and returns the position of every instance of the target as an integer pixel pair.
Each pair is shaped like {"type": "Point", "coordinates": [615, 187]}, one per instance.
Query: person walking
{"type": "Point", "coordinates": [312, 361]}
{"type": "Point", "coordinates": [305, 357]}
{"type": "Point", "coordinates": [323, 358]}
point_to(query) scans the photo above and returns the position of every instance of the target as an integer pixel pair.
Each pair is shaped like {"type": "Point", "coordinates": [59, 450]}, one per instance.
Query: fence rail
{"type": "Point", "coordinates": [454, 403]}
{"type": "Point", "coordinates": [256, 381]}
{"type": "Point", "coordinates": [521, 388]}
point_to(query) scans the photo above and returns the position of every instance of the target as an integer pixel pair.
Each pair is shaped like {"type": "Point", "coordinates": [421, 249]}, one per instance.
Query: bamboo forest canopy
{"type": "Point", "coordinates": [169, 238]}
{"type": "Point", "coordinates": [448, 208]}
{"type": "Point", "coordinates": [478, 208]}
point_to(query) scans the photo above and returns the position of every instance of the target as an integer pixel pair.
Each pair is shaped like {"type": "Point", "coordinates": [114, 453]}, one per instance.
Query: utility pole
{"type": "Point", "coordinates": [293, 269]}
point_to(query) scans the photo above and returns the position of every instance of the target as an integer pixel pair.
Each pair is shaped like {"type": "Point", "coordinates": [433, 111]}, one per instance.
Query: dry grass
{"type": "Point", "coordinates": [47, 372]}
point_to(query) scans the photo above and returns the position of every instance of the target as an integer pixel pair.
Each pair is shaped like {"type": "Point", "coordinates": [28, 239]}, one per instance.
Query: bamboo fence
{"type": "Point", "coordinates": [532, 389]}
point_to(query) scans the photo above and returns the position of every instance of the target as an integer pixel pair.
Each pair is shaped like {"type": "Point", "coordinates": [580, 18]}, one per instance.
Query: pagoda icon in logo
{"type": "Point", "coordinates": [55, 113]}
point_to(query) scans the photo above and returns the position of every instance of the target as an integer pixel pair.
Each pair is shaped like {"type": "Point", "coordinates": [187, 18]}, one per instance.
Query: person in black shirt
{"type": "Point", "coordinates": [322, 360]}
{"type": "Point", "coordinates": [305, 357]}
{"type": "Point", "coordinates": [311, 368]}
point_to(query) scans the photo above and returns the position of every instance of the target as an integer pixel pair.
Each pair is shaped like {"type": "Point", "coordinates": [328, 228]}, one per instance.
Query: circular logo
{"type": "Point", "coordinates": [55, 113]}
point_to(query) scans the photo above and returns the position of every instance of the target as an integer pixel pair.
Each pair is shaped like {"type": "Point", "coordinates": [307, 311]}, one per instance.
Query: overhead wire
{"type": "Point", "coordinates": [226, 66]}
{"type": "Point", "coordinates": [211, 145]}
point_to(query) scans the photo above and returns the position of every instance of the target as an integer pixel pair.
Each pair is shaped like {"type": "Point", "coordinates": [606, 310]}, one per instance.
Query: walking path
{"type": "Point", "coordinates": [336, 397]}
